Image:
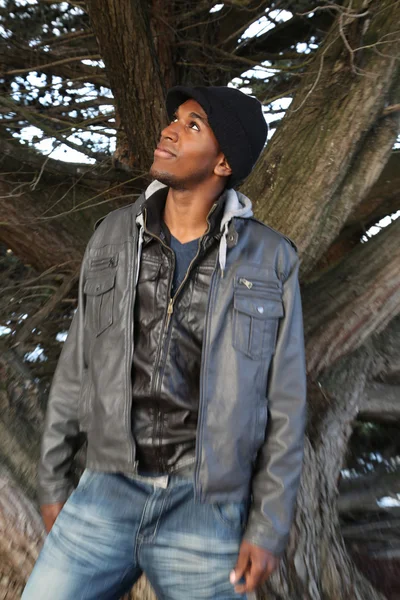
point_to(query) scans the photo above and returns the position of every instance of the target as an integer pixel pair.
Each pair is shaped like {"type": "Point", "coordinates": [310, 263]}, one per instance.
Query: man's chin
{"type": "Point", "coordinates": [167, 178]}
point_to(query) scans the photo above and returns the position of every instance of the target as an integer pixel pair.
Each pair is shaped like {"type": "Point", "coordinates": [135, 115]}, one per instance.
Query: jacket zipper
{"type": "Point", "coordinates": [260, 286]}
{"type": "Point", "coordinates": [132, 287]}
{"type": "Point", "coordinates": [170, 308]}
{"type": "Point", "coordinates": [107, 261]}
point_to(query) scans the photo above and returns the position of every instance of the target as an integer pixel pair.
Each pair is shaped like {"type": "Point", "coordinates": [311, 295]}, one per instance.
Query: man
{"type": "Point", "coordinates": [184, 368]}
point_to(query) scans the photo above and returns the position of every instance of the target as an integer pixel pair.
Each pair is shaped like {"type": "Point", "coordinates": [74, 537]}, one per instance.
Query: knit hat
{"type": "Point", "coordinates": [236, 120]}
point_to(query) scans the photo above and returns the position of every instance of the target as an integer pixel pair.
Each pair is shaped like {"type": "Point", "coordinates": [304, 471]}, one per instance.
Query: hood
{"type": "Point", "coordinates": [236, 205]}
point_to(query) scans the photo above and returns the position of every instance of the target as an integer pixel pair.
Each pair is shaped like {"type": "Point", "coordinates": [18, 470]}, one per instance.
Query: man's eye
{"type": "Point", "coordinates": [194, 123]}
{"type": "Point", "coordinates": [174, 119]}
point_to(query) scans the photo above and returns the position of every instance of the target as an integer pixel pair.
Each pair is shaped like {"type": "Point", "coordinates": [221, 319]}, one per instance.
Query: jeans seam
{"type": "Point", "coordinates": [139, 536]}
{"type": "Point", "coordinates": [161, 512]}
{"type": "Point", "coordinates": [128, 568]}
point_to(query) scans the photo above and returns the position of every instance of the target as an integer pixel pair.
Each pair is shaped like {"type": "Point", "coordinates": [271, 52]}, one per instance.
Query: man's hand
{"type": "Point", "coordinates": [50, 513]}
{"type": "Point", "coordinates": [255, 564]}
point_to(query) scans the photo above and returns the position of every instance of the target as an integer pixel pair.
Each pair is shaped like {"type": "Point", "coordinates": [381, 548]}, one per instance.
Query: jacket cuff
{"type": "Point", "coordinates": [55, 494]}
{"type": "Point", "coordinates": [266, 538]}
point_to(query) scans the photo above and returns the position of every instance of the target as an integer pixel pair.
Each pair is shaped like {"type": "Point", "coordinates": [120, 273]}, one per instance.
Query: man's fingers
{"type": "Point", "coordinates": [253, 579]}
{"type": "Point", "coordinates": [241, 565]}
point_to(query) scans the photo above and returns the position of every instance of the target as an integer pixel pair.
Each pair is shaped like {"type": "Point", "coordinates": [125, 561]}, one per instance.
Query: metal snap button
{"type": "Point", "coordinates": [260, 309]}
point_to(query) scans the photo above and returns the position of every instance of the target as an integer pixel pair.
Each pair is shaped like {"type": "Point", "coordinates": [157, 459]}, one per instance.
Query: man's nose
{"type": "Point", "coordinates": [170, 132]}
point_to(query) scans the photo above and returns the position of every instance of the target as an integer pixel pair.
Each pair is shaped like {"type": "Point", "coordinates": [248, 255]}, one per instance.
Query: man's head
{"type": "Point", "coordinates": [188, 152]}
{"type": "Point", "coordinates": [214, 134]}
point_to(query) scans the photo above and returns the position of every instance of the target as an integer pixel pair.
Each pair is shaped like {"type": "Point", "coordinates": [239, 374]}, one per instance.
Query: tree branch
{"type": "Point", "coordinates": [357, 297]}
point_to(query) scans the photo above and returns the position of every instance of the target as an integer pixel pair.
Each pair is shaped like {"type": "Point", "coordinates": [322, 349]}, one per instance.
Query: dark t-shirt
{"type": "Point", "coordinates": [184, 254]}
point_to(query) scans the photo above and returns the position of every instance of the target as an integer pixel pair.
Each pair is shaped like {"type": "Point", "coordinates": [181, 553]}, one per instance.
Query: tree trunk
{"type": "Point", "coordinates": [316, 564]}
{"type": "Point", "coordinates": [359, 296]}
{"type": "Point", "coordinates": [382, 200]}
{"type": "Point", "coordinates": [381, 403]}
{"type": "Point", "coordinates": [124, 36]}
{"type": "Point", "coordinates": [333, 141]}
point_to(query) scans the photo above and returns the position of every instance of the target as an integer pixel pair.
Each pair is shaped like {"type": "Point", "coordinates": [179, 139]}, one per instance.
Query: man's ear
{"type": "Point", "coordinates": [222, 167]}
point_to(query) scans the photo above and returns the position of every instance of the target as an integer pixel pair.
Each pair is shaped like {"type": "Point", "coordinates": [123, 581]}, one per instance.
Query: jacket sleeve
{"type": "Point", "coordinates": [61, 439]}
{"type": "Point", "coordinates": [277, 471]}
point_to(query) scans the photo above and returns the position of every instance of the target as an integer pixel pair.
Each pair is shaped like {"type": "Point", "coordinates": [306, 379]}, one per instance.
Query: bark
{"type": "Point", "coordinates": [123, 32]}
{"type": "Point", "coordinates": [376, 538]}
{"type": "Point", "coordinates": [381, 403]}
{"type": "Point", "coordinates": [333, 121]}
{"type": "Point", "coordinates": [316, 564]}
{"type": "Point", "coordinates": [48, 209]}
{"type": "Point", "coordinates": [21, 536]}
{"type": "Point", "coordinates": [382, 200]}
{"type": "Point", "coordinates": [280, 38]}
{"type": "Point", "coordinates": [357, 297]}
{"type": "Point", "coordinates": [21, 60]}
{"type": "Point", "coordinates": [21, 419]}
{"type": "Point", "coordinates": [365, 530]}
{"type": "Point", "coordinates": [361, 494]}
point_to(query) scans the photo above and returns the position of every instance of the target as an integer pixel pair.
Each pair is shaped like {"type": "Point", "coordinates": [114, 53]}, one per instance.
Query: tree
{"type": "Point", "coordinates": [329, 173]}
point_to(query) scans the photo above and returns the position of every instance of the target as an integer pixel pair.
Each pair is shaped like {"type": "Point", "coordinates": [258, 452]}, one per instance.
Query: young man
{"type": "Point", "coordinates": [184, 368]}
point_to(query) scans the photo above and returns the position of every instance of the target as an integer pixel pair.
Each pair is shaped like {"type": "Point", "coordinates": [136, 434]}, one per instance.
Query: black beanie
{"type": "Point", "coordinates": [236, 120]}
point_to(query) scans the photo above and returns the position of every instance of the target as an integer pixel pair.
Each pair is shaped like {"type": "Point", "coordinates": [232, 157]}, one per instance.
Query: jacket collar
{"type": "Point", "coordinates": [153, 208]}
{"type": "Point", "coordinates": [234, 205]}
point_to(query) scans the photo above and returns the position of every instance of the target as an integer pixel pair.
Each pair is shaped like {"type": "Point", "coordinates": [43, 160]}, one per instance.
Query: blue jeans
{"type": "Point", "coordinates": [115, 527]}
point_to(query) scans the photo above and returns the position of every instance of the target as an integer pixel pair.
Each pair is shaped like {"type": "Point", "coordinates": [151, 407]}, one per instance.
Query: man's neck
{"type": "Point", "coordinates": [185, 213]}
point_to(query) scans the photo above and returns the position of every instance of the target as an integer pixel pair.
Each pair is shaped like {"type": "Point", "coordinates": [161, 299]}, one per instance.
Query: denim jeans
{"type": "Point", "coordinates": [115, 527]}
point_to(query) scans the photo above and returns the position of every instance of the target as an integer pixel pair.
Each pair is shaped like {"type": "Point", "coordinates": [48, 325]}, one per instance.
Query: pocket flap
{"type": "Point", "coordinates": [259, 307]}
{"type": "Point", "coordinates": [95, 286]}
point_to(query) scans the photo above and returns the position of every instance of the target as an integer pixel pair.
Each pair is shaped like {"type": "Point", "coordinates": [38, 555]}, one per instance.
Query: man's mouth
{"type": "Point", "coordinates": [163, 152]}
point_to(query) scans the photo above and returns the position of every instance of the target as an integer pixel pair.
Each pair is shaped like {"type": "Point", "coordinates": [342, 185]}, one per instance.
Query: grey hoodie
{"type": "Point", "coordinates": [236, 205]}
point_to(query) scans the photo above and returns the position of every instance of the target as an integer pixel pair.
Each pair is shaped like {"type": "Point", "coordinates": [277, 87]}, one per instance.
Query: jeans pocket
{"type": "Point", "coordinates": [85, 479]}
{"type": "Point", "coordinates": [231, 514]}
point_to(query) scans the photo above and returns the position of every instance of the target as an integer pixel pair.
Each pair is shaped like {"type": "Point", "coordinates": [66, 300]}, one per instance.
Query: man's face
{"type": "Point", "coordinates": [188, 150]}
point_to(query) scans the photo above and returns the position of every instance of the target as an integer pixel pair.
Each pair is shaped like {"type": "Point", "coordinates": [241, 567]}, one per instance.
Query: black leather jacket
{"type": "Point", "coordinates": [252, 376]}
{"type": "Point", "coordinates": [167, 356]}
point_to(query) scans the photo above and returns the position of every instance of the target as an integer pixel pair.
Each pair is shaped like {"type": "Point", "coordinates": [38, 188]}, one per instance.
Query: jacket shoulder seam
{"type": "Point", "coordinates": [116, 210]}
{"type": "Point", "coordinates": [287, 238]}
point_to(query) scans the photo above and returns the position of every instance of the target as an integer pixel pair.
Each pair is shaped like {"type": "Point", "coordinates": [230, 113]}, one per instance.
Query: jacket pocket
{"type": "Point", "coordinates": [99, 291]}
{"type": "Point", "coordinates": [255, 323]}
